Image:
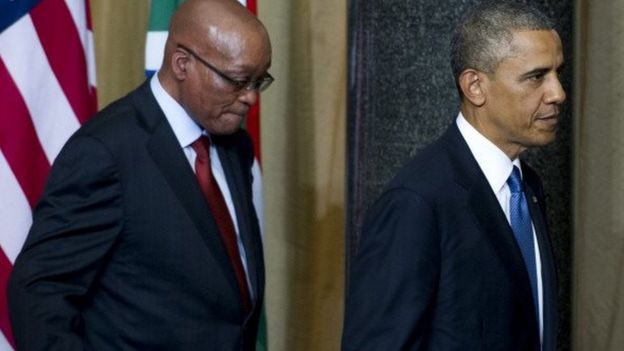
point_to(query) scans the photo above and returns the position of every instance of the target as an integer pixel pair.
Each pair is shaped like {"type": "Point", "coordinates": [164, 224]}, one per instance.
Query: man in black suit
{"type": "Point", "coordinates": [129, 250]}
{"type": "Point", "coordinates": [455, 254]}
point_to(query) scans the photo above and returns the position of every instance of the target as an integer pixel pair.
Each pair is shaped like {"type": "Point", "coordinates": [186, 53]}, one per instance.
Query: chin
{"type": "Point", "coordinates": [224, 126]}
{"type": "Point", "coordinates": [545, 139]}
{"type": "Point", "coordinates": [226, 130]}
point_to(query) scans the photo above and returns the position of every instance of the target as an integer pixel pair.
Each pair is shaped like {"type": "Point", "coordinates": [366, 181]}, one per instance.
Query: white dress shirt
{"type": "Point", "coordinates": [187, 131]}
{"type": "Point", "coordinates": [497, 167]}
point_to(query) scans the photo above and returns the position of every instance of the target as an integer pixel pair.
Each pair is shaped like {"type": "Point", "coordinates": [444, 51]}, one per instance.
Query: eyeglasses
{"type": "Point", "coordinates": [259, 84]}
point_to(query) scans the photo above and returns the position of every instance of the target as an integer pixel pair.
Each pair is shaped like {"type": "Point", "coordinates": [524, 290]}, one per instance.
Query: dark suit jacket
{"type": "Point", "coordinates": [438, 267]}
{"type": "Point", "coordinates": [124, 253]}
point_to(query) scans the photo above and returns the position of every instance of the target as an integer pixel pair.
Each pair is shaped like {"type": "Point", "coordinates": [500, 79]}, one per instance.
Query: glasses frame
{"type": "Point", "coordinates": [259, 84]}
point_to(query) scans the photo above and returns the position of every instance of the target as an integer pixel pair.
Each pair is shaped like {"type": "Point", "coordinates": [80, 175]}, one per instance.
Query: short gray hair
{"type": "Point", "coordinates": [483, 37]}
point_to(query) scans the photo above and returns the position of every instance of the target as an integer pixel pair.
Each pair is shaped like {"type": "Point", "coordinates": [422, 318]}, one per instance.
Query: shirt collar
{"type": "Point", "coordinates": [184, 128]}
{"type": "Point", "coordinates": [494, 163]}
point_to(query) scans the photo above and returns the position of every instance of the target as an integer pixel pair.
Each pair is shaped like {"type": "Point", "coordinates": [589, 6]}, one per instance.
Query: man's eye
{"type": "Point", "coordinates": [537, 77]}
{"type": "Point", "coordinates": [241, 83]}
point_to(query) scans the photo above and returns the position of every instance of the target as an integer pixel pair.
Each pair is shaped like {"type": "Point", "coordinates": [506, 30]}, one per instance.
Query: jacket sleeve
{"type": "Point", "coordinates": [75, 226]}
{"type": "Point", "coordinates": [394, 276]}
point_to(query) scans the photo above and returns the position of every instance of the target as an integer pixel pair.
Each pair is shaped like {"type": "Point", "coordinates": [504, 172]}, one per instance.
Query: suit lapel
{"type": "Point", "coordinates": [168, 156]}
{"type": "Point", "coordinates": [237, 183]}
{"type": "Point", "coordinates": [549, 281]}
{"type": "Point", "coordinates": [492, 219]}
{"type": "Point", "coordinates": [486, 209]}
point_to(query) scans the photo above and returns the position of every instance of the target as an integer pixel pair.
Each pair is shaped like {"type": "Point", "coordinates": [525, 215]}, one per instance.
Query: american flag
{"type": "Point", "coordinates": [47, 90]}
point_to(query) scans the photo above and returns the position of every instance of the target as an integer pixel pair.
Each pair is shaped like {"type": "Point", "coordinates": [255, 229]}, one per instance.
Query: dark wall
{"type": "Point", "coordinates": [402, 97]}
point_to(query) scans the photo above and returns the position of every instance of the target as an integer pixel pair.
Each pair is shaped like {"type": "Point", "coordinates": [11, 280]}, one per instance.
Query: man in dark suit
{"type": "Point", "coordinates": [455, 254]}
{"type": "Point", "coordinates": [146, 237]}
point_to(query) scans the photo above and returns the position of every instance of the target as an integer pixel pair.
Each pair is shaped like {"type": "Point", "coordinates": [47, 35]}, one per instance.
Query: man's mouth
{"type": "Point", "coordinates": [550, 119]}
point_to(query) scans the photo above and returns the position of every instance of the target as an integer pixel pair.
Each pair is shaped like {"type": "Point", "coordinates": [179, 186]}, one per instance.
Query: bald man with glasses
{"type": "Point", "coordinates": [146, 237]}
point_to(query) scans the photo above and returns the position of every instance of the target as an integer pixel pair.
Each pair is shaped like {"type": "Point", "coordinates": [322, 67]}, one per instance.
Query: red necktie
{"type": "Point", "coordinates": [214, 197]}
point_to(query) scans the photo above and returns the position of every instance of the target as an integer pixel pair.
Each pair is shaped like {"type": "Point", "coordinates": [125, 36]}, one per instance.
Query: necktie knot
{"type": "Point", "coordinates": [515, 181]}
{"type": "Point", "coordinates": [202, 148]}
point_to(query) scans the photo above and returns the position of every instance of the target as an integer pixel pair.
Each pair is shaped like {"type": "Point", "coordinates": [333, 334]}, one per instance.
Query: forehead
{"type": "Point", "coordinates": [242, 46]}
{"type": "Point", "coordinates": [539, 48]}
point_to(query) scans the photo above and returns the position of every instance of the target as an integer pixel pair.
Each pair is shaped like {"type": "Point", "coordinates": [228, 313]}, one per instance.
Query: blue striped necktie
{"type": "Point", "coordinates": [521, 225]}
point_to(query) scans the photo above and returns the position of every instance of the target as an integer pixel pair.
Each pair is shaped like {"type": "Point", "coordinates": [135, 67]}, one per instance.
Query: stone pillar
{"type": "Point", "coordinates": [402, 96]}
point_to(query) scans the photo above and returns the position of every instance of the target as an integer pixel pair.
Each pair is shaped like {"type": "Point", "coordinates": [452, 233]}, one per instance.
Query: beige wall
{"type": "Point", "coordinates": [598, 280]}
{"type": "Point", "coordinates": [303, 134]}
{"type": "Point", "coordinates": [119, 30]}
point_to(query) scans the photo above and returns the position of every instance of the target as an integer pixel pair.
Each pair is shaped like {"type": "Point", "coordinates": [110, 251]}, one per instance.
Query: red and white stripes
{"type": "Point", "coordinates": [47, 89]}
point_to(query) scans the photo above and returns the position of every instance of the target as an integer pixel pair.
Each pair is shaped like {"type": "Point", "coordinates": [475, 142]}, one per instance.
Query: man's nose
{"type": "Point", "coordinates": [555, 93]}
{"type": "Point", "coordinates": [249, 97]}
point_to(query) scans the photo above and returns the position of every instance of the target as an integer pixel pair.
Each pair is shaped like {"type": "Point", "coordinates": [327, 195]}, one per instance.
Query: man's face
{"type": "Point", "coordinates": [523, 95]}
{"type": "Point", "coordinates": [209, 98]}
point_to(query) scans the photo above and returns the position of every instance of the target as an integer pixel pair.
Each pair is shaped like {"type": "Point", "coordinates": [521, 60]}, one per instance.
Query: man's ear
{"type": "Point", "coordinates": [471, 83]}
{"type": "Point", "coordinates": [179, 64]}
